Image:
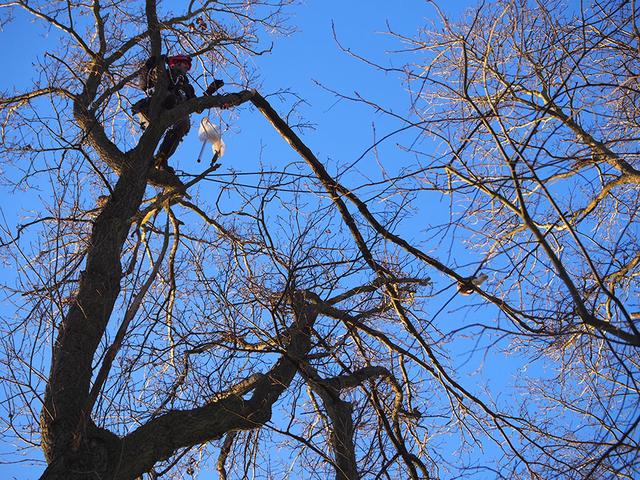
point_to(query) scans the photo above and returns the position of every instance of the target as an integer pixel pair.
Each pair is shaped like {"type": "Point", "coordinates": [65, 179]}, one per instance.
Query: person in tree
{"type": "Point", "coordinates": [178, 90]}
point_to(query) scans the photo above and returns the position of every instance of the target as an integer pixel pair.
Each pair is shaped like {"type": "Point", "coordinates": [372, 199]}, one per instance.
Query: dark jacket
{"type": "Point", "coordinates": [178, 84]}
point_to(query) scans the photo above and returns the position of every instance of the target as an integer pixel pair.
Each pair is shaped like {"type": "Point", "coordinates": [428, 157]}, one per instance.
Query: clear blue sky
{"type": "Point", "coordinates": [343, 130]}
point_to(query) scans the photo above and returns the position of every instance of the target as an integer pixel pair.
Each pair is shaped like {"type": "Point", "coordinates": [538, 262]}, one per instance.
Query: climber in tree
{"type": "Point", "coordinates": [178, 90]}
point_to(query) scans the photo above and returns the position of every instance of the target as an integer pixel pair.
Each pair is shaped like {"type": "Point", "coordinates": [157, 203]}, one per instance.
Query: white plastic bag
{"type": "Point", "coordinates": [208, 132]}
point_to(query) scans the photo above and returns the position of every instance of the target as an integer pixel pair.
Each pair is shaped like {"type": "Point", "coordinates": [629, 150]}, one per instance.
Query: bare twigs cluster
{"type": "Point", "coordinates": [533, 108]}
{"type": "Point", "coordinates": [155, 333]}
{"type": "Point", "coordinates": [152, 327]}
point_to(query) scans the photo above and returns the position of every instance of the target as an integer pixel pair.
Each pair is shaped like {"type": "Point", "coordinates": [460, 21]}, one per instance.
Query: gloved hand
{"type": "Point", "coordinates": [215, 85]}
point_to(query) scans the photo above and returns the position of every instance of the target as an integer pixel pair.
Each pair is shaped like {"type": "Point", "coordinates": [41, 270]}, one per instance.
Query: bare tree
{"type": "Point", "coordinates": [152, 324]}
{"type": "Point", "coordinates": [533, 107]}
{"type": "Point", "coordinates": [292, 313]}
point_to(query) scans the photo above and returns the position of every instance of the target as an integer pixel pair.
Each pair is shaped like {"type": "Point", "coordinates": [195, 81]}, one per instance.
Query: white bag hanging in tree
{"type": "Point", "coordinates": [209, 133]}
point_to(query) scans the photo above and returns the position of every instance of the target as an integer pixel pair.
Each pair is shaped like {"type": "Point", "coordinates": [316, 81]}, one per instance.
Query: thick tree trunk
{"type": "Point", "coordinates": [342, 443]}
{"type": "Point", "coordinates": [68, 436]}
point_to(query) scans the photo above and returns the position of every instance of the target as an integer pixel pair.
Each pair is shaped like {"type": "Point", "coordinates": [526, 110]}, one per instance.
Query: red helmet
{"type": "Point", "coordinates": [173, 61]}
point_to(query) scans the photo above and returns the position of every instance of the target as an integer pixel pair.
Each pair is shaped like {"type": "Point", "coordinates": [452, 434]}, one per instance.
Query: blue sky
{"type": "Point", "coordinates": [342, 130]}
{"type": "Point", "coordinates": [307, 65]}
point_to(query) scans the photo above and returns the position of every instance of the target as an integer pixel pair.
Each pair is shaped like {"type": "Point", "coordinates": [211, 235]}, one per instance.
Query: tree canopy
{"type": "Point", "coordinates": [459, 302]}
